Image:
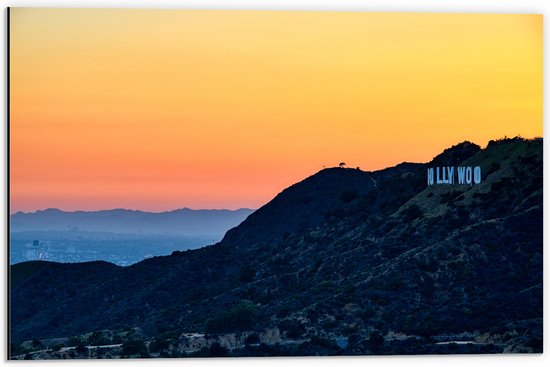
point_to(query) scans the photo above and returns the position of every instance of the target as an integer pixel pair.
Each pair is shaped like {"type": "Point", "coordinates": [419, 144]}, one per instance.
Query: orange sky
{"type": "Point", "coordinates": [162, 109]}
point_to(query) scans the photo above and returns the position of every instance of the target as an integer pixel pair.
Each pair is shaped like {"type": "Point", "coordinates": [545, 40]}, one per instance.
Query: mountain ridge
{"type": "Point", "coordinates": [184, 209]}
{"type": "Point", "coordinates": [184, 221]}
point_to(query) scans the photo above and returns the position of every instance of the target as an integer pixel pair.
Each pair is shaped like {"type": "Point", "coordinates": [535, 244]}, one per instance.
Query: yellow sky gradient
{"type": "Point", "coordinates": [162, 109]}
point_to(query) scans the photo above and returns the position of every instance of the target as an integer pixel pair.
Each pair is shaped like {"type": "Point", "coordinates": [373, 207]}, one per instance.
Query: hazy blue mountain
{"type": "Point", "coordinates": [188, 222]}
{"type": "Point", "coordinates": [120, 236]}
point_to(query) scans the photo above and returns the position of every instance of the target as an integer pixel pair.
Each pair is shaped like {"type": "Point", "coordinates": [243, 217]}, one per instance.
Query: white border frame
{"type": "Point", "coordinates": [454, 6]}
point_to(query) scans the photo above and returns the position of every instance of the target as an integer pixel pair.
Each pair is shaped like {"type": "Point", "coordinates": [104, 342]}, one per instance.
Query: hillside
{"type": "Point", "coordinates": [343, 262]}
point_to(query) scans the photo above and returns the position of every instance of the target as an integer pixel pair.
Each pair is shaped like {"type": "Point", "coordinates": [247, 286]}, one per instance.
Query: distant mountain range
{"type": "Point", "coordinates": [188, 222]}
{"type": "Point", "coordinates": [343, 262]}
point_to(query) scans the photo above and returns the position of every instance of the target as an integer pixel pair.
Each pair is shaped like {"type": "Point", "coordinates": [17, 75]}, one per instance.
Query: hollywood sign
{"type": "Point", "coordinates": [447, 176]}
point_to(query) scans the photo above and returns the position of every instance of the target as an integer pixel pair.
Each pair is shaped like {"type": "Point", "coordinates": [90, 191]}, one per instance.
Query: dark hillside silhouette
{"type": "Point", "coordinates": [343, 262]}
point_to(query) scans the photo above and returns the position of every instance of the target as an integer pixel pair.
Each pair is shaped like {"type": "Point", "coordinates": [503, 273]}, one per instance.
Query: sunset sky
{"type": "Point", "coordinates": [162, 109]}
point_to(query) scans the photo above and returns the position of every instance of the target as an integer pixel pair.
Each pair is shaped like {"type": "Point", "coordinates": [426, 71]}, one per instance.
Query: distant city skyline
{"type": "Point", "coordinates": [161, 109]}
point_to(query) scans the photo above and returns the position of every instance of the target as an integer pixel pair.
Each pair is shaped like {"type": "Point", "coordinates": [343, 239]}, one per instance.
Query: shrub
{"type": "Point", "coordinates": [217, 350]}
{"type": "Point", "coordinates": [159, 344]}
{"type": "Point", "coordinates": [57, 347]}
{"type": "Point", "coordinates": [97, 338]}
{"type": "Point", "coordinates": [37, 343]}
{"type": "Point", "coordinates": [376, 340]}
{"type": "Point", "coordinates": [132, 347]}
{"type": "Point", "coordinates": [252, 339]}
{"type": "Point", "coordinates": [240, 317]}
{"type": "Point", "coordinates": [324, 343]}
{"type": "Point", "coordinates": [293, 328]}
{"type": "Point", "coordinates": [81, 348]}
